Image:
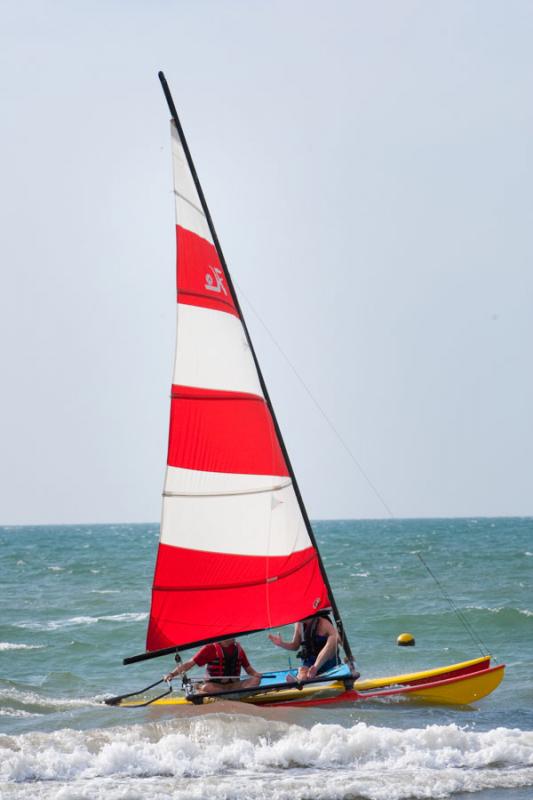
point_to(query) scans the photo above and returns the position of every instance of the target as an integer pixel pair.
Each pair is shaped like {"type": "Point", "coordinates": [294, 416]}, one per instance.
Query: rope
{"type": "Point", "coordinates": [319, 407]}
{"type": "Point", "coordinates": [475, 638]}
{"type": "Point", "coordinates": [473, 635]}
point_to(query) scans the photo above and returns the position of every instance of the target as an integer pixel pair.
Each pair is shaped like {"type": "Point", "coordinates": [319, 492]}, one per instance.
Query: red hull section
{"type": "Point", "coordinates": [218, 593]}
{"type": "Point", "coordinates": [455, 677]}
{"type": "Point", "coordinates": [454, 673]}
{"type": "Point", "coordinates": [217, 431]}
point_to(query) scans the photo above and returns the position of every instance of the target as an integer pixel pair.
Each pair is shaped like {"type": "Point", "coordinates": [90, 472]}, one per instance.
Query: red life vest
{"type": "Point", "coordinates": [226, 663]}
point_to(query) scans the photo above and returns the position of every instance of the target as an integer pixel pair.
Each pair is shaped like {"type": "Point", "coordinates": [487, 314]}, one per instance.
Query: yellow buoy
{"type": "Point", "coordinates": [406, 640]}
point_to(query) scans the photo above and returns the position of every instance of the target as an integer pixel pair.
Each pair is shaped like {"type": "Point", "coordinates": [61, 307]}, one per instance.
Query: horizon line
{"type": "Point", "coordinates": [313, 520]}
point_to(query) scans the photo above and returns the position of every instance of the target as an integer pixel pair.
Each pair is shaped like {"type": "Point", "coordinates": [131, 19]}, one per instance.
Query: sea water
{"type": "Point", "coordinates": [75, 600]}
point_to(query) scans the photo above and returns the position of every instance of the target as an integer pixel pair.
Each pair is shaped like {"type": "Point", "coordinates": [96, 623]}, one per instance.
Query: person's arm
{"type": "Point", "coordinates": [276, 639]}
{"type": "Point", "coordinates": [247, 667]}
{"type": "Point", "coordinates": [179, 669]}
{"type": "Point", "coordinates": [325, 628]}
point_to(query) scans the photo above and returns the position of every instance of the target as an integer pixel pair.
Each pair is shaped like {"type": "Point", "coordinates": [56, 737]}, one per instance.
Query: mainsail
{"type": "Point", "coordinates": [236, 552]}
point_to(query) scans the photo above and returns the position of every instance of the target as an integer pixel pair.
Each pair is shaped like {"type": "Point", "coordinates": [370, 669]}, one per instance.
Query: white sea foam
{"type": "Point", "coordinates": [15, 699]}
{"type": "Point", "coordinates": [55, 624]}
{"type": "Point", "coordinates": [335, 785]}
{"type": "Point", "coordinates": [55, 568]}
{"type": "Point", "coordinates": [499, 609]}
{"type": "Point", "coordinates": [132, 616]}
{"type": "Point", "coordinates": [16, 712]}
{"type": "Point", "coordinates": [13, 646]}
{"type": "Point", "coordinates": [220, 756]}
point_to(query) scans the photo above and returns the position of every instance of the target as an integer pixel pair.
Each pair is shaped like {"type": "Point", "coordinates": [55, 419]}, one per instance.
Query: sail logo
{"type": "Point", "coordinates": [215, 282]}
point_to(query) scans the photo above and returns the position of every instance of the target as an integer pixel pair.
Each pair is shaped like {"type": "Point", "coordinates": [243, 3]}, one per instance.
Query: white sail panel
{"type": "Point", "coordinates": [260, 524]}
{"type": "Point", "coordinates": [212, 352]}
{"type": "Point", "coordinates": [189, 212]}
{"type": "Point", "coordinates": [181, 481]}
{"type": "Point", "coordinates": [190, 218]}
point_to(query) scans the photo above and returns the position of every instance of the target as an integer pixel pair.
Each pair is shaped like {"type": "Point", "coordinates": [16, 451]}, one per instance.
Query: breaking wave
{"type": "Point", "coordinates": [220, 756]}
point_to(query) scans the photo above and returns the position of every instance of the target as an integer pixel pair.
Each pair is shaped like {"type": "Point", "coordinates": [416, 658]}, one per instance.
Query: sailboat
{"type": "Point", "coordinates": [237, 552]}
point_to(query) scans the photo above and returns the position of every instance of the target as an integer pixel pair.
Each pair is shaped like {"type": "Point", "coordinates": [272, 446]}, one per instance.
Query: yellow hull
{"type": "Point", "coordinates": [280, 696]}
{"type": "Point", "coordinates": [463, 691]}
{"type": "Point", "coordinates": [456, 684]}
{"type": "Point", "coordinates": [473, 665]}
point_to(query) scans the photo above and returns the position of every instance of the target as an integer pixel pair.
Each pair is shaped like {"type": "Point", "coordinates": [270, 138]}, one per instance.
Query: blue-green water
{"type": "Point", "coordinates": [75, 600]}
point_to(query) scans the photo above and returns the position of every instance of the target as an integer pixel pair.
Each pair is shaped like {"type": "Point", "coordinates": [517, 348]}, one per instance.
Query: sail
{"type": "Point", "coordinates": [235, 554]}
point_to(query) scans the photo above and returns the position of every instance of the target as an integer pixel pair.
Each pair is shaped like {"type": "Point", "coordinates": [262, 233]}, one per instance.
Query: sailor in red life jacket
{"type": "Point", "coordinates": [224, 661]}
{"type": "Point", "coordinates": [319, 643]}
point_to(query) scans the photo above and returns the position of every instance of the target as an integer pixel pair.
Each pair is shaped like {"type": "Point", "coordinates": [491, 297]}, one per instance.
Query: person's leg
{"type": "Point", "coordinates": [214, 687]}
{"type": "Point", "coordinates": [332, 663]}
{"type": "Point", "coordinates": [211, 687]}
{"type": "Point", "coordinates": [301, 676]}
{"type": "Point", "coordinates": [249, 683]}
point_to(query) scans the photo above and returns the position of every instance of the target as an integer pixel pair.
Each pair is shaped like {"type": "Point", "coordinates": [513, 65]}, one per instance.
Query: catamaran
{"type": "Point", "coordinates": [237, 552]}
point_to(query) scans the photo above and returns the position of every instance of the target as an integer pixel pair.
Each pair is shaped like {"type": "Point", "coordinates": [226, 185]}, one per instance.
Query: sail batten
{"type": "Point", "coordinates": [236, 552]}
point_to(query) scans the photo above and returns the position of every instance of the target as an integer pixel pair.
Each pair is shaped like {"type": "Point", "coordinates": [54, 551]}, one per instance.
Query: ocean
{"type": "Point", "coordinates": [75, 601]}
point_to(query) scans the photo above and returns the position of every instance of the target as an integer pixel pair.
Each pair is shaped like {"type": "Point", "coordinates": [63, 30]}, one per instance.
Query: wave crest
{"type": "Point", "coordinates": [367, 761]}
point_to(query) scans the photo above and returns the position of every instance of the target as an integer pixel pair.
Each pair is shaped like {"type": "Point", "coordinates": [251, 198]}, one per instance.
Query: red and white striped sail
{"type": "Point", "coordinates": [234, 553]}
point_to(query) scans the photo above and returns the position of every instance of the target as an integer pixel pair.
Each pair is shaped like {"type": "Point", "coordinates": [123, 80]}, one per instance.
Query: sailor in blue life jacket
{"type": "Point", "coordinates": [318, 642]}
{"type": "Point", "coordinates": [223, 661]}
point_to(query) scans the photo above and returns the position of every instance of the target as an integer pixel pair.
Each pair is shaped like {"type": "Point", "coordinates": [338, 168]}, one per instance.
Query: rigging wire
{"type": "Point", "coordinates": [475, 638]}
{"type": "Point", "coordinates": [318, 406]}
{"type": "Point", "coordinates": [473, 635]}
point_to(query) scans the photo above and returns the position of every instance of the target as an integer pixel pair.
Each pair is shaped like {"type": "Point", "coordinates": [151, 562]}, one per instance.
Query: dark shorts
{"type": "Point", "coordinates": [326, 666]}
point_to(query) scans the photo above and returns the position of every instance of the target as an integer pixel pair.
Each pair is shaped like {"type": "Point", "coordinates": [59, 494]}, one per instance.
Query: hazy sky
{"type": "Point", "coordinates": [368, 166]}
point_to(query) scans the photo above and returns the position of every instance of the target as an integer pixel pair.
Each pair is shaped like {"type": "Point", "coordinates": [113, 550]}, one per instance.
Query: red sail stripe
{"type": "Point", "coordinates": [218, 592]}
{"type": "Point", "coordinates": [216, 431]}
{"type": "Point", "coordinates": [200, 276]}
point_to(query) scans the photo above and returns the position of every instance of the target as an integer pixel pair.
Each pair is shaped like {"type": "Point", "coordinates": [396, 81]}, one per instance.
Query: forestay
{"type": "Point", "coordinates": [235, 554]}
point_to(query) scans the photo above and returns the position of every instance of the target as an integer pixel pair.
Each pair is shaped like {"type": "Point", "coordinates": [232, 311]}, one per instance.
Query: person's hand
{"type": "Point", "coordinates": [275, 638]}
{"type": "Point", "coordinates": [168, 677]}
{"type": "Point", "coordinates": [311, 673]}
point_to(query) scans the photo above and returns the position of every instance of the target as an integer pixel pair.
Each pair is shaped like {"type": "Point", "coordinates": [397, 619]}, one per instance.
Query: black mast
{"type": "Point", "coordinates": [334, 608]}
